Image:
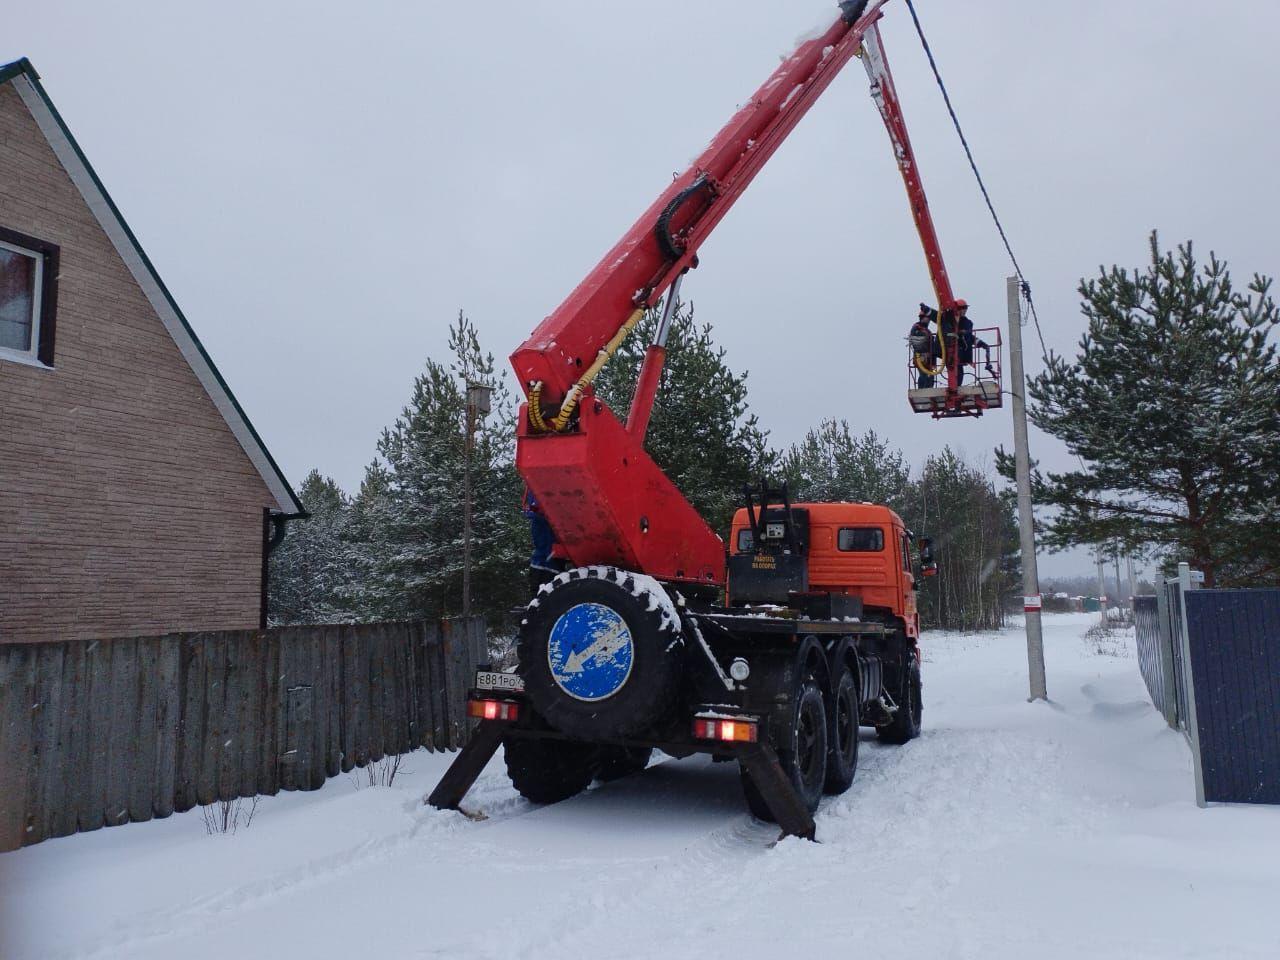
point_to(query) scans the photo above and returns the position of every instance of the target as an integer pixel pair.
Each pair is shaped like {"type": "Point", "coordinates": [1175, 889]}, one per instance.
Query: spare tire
{"type": "Point", "coordinates": [600, 652]}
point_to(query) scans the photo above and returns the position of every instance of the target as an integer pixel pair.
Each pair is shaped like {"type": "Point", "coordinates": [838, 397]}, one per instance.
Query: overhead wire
{"type": "Point", "coordinates": [973, 164]}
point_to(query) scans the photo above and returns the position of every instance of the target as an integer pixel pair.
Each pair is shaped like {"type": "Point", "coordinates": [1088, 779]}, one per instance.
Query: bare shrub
{"type": "Point", "coordinates": [228, 816]}
{"type": "Point", "coordinates": [379, 773]}
{"type": "Point", "coordinates": [1107, 641]}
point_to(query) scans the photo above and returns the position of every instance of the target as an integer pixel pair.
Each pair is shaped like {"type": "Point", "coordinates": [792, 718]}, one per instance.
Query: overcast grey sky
{"type": "Point", "coordinates": [324, 185]}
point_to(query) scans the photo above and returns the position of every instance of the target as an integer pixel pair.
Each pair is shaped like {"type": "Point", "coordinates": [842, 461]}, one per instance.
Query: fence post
{"type": "Point", "coordinates": [1185, 586]}
{"type": "Point", "coordinates": [479, 646]}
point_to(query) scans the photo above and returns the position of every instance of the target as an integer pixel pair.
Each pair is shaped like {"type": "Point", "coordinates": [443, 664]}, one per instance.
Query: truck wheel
{"type": "Point", "coordinates": [548, 771]}
{"type": "Point", "coordinates": [600, 653]}
{"type": "Point", "coordinates": [614, 763]}
{"type": "Point", "coordinates": [803, 759]}
{"type": "Point", "coordinates": [842, 736]}
{"type": "Point", "coordinates": [905, 724]}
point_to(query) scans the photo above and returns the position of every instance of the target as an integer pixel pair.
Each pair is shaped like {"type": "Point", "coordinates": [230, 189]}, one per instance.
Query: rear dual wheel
{"type": "Point", "coordinates": [906, 722]}
{"type": "Point", "coordinates": [842, 755]}
{"type": "Point", "coordinates": [548, 771]}
{"type": "Point", "coordinates": [614, 763]}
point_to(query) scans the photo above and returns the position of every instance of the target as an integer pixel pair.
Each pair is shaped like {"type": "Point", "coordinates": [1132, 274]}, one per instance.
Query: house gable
{"type": "Point", "coordinates": [22, 77]}
{"type": "Point", "coordinates": [132, 489]}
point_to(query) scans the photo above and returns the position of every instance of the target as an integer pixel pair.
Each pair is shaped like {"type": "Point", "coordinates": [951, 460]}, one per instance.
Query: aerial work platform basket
{"type": "Point", "coordinates": [980, 386]}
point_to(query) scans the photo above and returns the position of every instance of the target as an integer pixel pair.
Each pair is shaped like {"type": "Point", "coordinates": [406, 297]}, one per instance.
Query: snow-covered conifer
{"type": "Point", "coordinates": [1173, 406]}
{"type": "Point", "coordinates": [309, 568]}
{"type": "Point", "coordinates": [701, 433]}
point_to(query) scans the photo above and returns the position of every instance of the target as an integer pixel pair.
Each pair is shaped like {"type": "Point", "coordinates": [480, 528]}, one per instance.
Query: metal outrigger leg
{"type": "Point", "coordinates": [759, 758]}
{"type": "Point", "coordinates": [467, 766]}
{"type": "Point", "coordinates": [776, 790]}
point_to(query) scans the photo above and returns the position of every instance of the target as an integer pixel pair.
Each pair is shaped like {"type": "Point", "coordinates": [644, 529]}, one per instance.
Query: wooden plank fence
{"type": "Point", "coordinates": [101, 732]}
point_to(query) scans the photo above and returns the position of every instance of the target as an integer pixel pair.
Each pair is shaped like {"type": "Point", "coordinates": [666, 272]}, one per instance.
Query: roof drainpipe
{"type": "Point", "coordinates": [273, 531]}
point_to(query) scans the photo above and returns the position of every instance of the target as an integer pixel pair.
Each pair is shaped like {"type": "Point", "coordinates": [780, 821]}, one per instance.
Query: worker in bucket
{"type": "Point", "coordinates": [543, 563]}
{"type": "Point", "coordinates": [966, 341]}
{"type": "Point", "coordinates": [924, 346]}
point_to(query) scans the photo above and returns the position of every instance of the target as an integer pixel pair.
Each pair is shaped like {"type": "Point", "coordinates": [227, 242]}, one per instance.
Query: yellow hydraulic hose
{"type": "Point", "coordinates": [535, 408]}
{"type": "Point", "coordinates": [942, 349]}
{"type": "Point", "coordinates": [560, 421]}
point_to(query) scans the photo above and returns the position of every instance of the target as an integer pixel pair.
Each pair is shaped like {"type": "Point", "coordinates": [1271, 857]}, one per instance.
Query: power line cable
{"type": "Point", "coordinates": [937, 74]}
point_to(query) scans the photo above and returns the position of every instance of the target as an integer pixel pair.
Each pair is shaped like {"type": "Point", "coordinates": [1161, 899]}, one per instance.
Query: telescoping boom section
{"type": "Point", "coordinates": [606, 499]}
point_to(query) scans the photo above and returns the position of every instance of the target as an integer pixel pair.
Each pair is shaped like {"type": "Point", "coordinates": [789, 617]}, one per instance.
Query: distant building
{"type": "Point", "coordinates": [135, 496]}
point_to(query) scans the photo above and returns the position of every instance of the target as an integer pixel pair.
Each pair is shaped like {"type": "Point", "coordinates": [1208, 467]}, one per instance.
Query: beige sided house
{"type": "Point", "coordinates": [135, 496]}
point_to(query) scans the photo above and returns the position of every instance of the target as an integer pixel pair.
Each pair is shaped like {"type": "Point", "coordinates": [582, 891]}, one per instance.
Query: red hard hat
{"type": "Point", "coordinates": [961, 304]}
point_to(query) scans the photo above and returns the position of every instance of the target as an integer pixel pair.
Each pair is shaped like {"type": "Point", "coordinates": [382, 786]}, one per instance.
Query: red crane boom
{"type": "Point", "coordinates": [604, 496]}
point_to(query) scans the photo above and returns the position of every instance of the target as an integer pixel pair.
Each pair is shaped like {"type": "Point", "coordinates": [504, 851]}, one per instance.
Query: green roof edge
{"type": "Point", "coordinates": [10, 70]}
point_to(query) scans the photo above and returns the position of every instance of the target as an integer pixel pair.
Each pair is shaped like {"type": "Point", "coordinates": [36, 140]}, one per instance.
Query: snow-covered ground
{"type": "Point", "coordinates": [1008, 830]}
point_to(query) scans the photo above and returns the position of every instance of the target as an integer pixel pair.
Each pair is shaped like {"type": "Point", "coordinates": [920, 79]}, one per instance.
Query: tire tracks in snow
{"type": "Point", "coordinates": [439, 826]}
{"type": "Point", "coordinates": [893, 843]}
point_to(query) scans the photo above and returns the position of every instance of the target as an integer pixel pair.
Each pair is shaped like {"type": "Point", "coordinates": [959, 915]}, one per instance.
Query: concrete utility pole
{"type": "Point", "coordinates": [1031, 602]}
{"type": "Point", "coordinates": [1102, 589]}
{"type": "Point", "coordinates": [478, 402]}
{"type": "Point", "coordinates": [1119, 589]}
{"type": "Point", "coordinates": [1133, 588]}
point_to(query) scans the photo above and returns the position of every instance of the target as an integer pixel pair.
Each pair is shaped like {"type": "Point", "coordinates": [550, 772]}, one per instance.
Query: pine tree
{"type": "Point", "coordinates": [309, 568]}
{"type": "Point", "coordinates": [831, 464]}
{"type": "Point", "coordinates": [421, 560]}
{"type": "Point", "coordinates": [1173, 407]}
{"type": "Point", "coordinates": [701, 432]}
{"type": "Point", "coordinates": [971, 523]}
{"type": "Point", "coordinates": [367, 592]}
{"type": "Point", "coordinates": [975, 537]}
{"type": "Point", "coordinates": [407, 540]}
{"type": "Point", "coordinates": [500, 531]}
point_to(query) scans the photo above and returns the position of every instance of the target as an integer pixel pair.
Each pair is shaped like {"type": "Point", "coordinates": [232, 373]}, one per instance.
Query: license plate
{"type": "Point", "coordinates": [490, 680]}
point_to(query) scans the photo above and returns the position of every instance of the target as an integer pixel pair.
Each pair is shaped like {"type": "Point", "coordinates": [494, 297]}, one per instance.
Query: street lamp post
{"type": "Point", "coordinates": [479, 397]}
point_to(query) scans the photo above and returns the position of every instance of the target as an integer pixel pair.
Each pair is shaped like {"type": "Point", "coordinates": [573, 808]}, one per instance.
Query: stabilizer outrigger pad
{"type": "Point", "coordinates": [777, 790]}
{"type": "Point", "coordinates": [467, 766]}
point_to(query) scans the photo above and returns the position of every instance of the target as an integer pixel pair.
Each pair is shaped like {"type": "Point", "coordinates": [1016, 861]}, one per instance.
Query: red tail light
{"type": "Point", "coordinates": [493, 709]}
{"type": "Point", "coordinates": [735, 729]}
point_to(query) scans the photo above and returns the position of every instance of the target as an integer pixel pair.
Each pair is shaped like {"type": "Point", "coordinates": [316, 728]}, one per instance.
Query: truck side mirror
{"type": "Point", "coordinates": [928, 566]}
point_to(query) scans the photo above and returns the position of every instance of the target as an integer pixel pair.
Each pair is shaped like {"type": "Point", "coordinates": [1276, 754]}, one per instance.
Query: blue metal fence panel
{"type": "Point", "coordinates": [1154, 657]}
{"type": "Point", "coordinates": [1234, 639]}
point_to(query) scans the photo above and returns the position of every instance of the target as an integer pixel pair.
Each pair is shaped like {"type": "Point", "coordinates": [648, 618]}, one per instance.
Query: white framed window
{"type": "Point", "coordinates": [28, 290]}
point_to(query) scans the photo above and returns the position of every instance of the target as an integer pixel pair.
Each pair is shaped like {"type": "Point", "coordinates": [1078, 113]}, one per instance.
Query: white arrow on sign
{"type": "Point", "coordinates": [603, 647]}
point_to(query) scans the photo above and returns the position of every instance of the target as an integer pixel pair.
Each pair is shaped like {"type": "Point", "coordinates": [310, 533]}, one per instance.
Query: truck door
{"type": "Point", "coordinates": [907, 583]}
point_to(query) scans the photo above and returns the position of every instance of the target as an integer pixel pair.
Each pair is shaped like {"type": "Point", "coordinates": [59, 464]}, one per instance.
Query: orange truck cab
{"type": "Point", "coordinates": [858, 551]}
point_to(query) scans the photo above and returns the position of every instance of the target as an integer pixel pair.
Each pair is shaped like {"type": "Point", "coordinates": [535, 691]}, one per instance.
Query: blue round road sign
{"type": "Point", "coordinates": [590, 651]}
